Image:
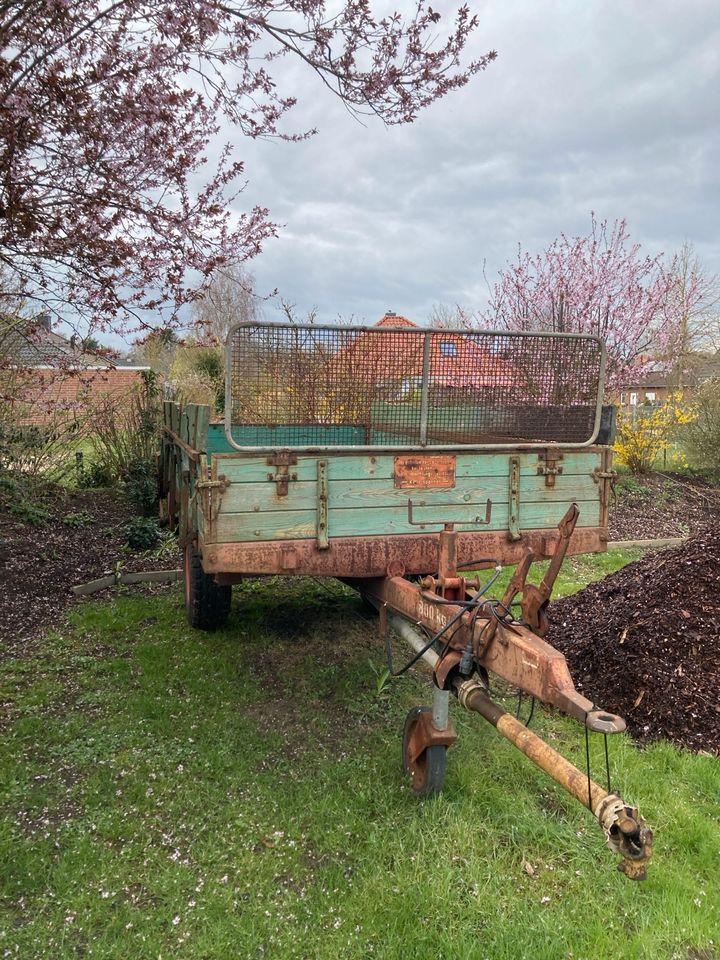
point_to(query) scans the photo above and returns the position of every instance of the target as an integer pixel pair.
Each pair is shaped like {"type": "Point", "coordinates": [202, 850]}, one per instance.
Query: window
{"type": "Point", "coordinates": [633, 399]}
{"type": "Point", "coordinates": [622, 399]}
{"type": "Point", "coordinates": [650, 396]}
{"type": "Point", "coordinates": [448, 348]}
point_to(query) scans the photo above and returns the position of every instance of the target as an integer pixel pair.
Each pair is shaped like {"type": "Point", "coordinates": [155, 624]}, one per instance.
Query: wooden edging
{"type": "Point", "coordinates": [143, 576]}
{"type": "Point", "coordinates": [629, 544]}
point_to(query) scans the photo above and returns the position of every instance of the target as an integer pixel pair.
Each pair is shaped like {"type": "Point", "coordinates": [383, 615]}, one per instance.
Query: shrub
{"type": "Point", "coordinates": [127, 430]}
{"type": "Point", "coordinates": [34, 449]}
{"type": "Point", "coordinates": [81, 519]}
{"type": "Point", "coordinates": [95, 475]}
{"type": "Point", "coordinates": [644, 433]}
{"type": "Point", "coordinates": [198, 376]}
{"type": "Point", "coordinates": [142, 533]}
{"type": "Point", "coordinates": [702, 435]}
{"type": "Point", "coordinates": [30, 513]}
{"type": "Point", "coordinates": [142, 485]}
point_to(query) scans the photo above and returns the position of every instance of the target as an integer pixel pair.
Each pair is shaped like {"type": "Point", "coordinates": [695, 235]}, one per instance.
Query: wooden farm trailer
{"type": "Point", "coordinates": [398, 460]}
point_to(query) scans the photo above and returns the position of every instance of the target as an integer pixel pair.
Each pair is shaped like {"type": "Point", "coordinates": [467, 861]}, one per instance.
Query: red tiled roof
{"type": "Point", "coordinates": [398, 356]}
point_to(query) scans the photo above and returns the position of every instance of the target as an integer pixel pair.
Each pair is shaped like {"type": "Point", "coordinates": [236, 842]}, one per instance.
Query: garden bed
{"type": "Point", "coordinates": [54, 541]}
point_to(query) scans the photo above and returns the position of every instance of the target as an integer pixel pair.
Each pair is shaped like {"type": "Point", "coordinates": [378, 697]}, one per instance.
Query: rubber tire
{"type": "Point", "coordinates": [207, 604]}
{"type": "Point", "coordinates": [428, 773]}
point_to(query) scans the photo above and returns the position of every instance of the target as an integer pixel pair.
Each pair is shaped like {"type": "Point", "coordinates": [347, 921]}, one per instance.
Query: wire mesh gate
{"type": "Point", "coordinates": [406, 388]}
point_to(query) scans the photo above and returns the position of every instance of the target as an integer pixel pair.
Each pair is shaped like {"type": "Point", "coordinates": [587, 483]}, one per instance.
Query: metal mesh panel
{"type": "Point", "coordinates": [408, 387]}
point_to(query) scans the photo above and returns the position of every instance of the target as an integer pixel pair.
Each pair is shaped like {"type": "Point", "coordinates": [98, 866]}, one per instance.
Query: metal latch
{"type": "Point", "coordinates": [221, 484]}
{"type": "Point", "coordinates": [550, 468]}
{"type": "Point", "coordinates": [215, 488]}
{"type": "Point", "coordinates": [281, 477]}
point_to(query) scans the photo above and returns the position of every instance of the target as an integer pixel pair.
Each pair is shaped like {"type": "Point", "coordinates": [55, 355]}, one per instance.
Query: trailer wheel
{"type": "Point", "coordinates": [207, 604]}
{"type": "Point", "coordinates": [427, 771]}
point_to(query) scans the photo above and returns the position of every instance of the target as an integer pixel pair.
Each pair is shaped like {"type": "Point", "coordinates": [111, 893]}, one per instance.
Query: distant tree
{"type": "Point", "coordinates": [691, 317]}
{"type": "Point", "coordinates": [443, 317]}
{"type": "Point", "coordinates": [702, 436]}
{"type": "Point", "coordinates": [598, 284]}
{"type": "Point", "coordinates": [157, 350]}
{"type": "Point", "coordinates": [228, 299]}
{"type": "Point", "coordinates": [110, 110]}
{"type": "Point", "coordinates": [197, 375]}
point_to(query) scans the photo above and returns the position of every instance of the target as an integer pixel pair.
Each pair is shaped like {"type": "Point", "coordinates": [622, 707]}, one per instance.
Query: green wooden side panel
{"type": "Point", "coordinates": [468, 492]}
{"type": "Point", "coordinates": [239, 468]}
{"type": "Point", "coordinates": [363, 522]}
{"type": "Point", "coordinates": [364, 501]}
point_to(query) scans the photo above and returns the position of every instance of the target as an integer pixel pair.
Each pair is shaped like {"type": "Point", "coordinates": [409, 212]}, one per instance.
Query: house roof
{"type": "Point", "coordinates": [36, 346]}
{"type": "Point", "coordinates": [455, 359]}
{"type": "Point", "coordinates": [699, 369]}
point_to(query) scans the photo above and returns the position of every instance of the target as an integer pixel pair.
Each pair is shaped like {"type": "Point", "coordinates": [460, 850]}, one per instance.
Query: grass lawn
{"type": "Point", "coordinates": [168, 793]}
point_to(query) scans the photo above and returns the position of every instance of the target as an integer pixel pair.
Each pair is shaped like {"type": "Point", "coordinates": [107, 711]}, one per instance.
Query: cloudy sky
{"type": "Point", "coordinates": [610, 106]}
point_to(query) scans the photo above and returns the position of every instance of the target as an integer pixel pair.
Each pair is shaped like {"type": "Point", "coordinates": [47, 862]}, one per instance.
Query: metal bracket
{"type": "Point", "coordinates": [599, 475]}
{"type": "Point", "coordinates": [322, 505]}
{"type": "Point", "coordinates": [215, 488]}
{"type": "Point", "coordinates": [221, 484]}
{"type": "Point", "coordinates": [514, 500]}
{"type": "Point", "coordinates": [281, 478]}
{"type": "Point", "coordinates": [549, 469]}
{"type": "Point", "coordinates": [475, 522]}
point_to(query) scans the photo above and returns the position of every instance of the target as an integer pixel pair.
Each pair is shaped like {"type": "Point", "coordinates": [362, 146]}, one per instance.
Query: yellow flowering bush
{"type": "Point", "coordinates": [645, 433]}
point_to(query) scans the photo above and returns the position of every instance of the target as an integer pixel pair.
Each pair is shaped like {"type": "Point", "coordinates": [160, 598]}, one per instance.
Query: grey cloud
{"type": "Point", "coordinates": [604, 106]}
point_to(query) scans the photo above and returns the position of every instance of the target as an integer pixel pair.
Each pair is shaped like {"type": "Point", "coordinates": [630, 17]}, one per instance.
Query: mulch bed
{"type": "Point", "coordinates": [39, 565]}
{"type": "Point", "coordinates": [662, 505]}
{"type": "Point", "coordinates": [645, 643]}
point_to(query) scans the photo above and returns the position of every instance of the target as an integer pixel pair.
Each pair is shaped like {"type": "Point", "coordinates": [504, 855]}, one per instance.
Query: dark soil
{"type": "Point", "coordinates": [662, 505]}
{"type": "Point", "coordinates": [40, 563]}
{"type": "Point", "coordinates": [645, 643]}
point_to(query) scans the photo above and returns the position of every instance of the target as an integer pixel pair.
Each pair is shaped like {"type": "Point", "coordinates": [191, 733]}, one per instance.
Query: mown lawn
{"type": "Point", "coordinates": [172, 794]}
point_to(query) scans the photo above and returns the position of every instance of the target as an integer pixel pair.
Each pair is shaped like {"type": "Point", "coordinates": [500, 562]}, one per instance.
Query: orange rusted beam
{"type": "Point", "coordinates": [362, 557]}
{"type": "Point", "coordinates": [626, 832]}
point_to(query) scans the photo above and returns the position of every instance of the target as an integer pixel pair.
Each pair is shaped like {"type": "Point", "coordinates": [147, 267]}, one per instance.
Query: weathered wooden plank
{"type": "Point", "coordinates": [190, 415]}
{"type": "Point", "coordinates": [241, 469]}
{"type": "Point", "coordinates": [373, 493]}
{"type": "Point", "coordinates": [199, 439]}
{"type": "Point", "coordinates": [167, 413]}
{"type": "Point", "coordinates": [175, 417]}
{"type": "Point", "coordinates": [301, 524]}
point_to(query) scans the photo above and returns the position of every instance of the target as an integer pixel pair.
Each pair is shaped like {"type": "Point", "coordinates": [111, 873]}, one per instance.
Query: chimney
{"type": "Point", "coordinates": [43, 323]}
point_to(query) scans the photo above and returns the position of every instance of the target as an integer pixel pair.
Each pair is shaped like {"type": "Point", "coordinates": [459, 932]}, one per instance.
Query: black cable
{"type": "Point", "coordinates": [587, 762]}
{"type": "Point", "coordinates": [420, 653]}
{"type": "Point", "coordinates": [532, 709]}
{"type": "Point", "coordinates": [607, 763]}
{"type": "Point", "coordinates": [471, 563]}
{"type": "Point", "coordinates": [477, 602]}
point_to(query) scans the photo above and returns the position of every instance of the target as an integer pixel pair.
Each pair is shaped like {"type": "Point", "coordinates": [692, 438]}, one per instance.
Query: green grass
{"type": "Point", "coordinates": [576, 572]}
{"type": "Point", "coordinates": [238, 795]}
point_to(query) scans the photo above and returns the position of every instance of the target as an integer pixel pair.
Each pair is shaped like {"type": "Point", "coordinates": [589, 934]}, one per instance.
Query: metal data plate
{"type": "Point", "coordinates": [425, 473]}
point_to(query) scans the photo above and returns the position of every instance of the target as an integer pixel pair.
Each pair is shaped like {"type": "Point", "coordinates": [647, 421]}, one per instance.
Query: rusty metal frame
{"type": "Point", "coordinates": [374, 556]}
{"type": "Point", "coordinates": [412, 448]}
{"type": "Point", "coordinates": [515, 653]}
